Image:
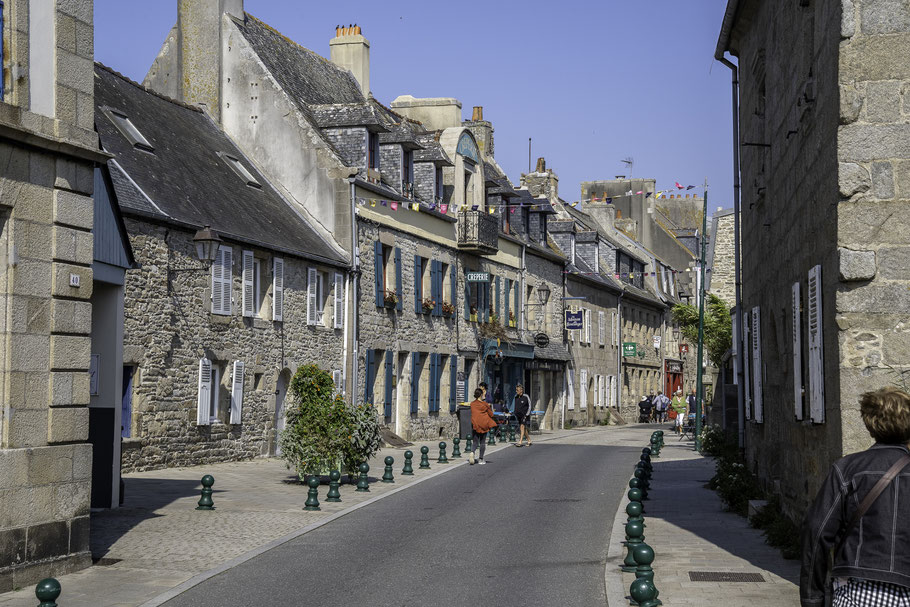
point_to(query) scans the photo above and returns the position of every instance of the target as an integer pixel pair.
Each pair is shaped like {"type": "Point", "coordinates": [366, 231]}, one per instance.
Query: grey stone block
{"type": "Point", "coordinates": [858, 142]}
{"type": "Point", "coordinates": [894, 262]}
{"type": "Point", "coordinates": [884, 16]}
{"type": "Point", "coordinates": [852, 179]}
{"type": "Point", "coordinates": [883, 101]}
{"type": "Point", "coordinates": [44, 541]}
{"type": "Point", "coordinates": [851, 102]}
{"type": "Point", "coordinates": [882, 180]}
{"type": "Point", "coordinates": [848, 19]}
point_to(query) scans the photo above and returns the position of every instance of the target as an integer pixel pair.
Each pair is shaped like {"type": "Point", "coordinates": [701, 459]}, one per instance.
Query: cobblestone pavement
{"type": "Point", "coordinates": [690, 531]}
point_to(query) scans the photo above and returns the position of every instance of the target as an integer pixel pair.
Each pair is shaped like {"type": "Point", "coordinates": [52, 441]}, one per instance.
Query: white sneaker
{"type": "Point", "coordinates": [471, 458]}
{"type": "Point", "coordinates": [481, 462]}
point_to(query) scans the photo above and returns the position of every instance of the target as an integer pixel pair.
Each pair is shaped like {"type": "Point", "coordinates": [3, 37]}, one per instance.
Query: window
{"type": "Point", "coordinates": [373, 151]}
{"type": "Point", "coordinates": [129, 130]}
{"type": "Point", "coordinates": [439, 185]}
{"type": "Point", "coordinates": [208, 392]}
{"type": "Point", "coordinates": [422, 272]}
{"type": "Point", "coordinates": [316, 297]}
{"type": "Point", "coordinates": [542, 235]}
{"type": "Point", "coordinates": [407, 173]}
{"type": "Point", "coordinates": [526, 221]}
{"type": "Point", "coordinates": [241, 170]}
{"type": "Point", "coordinates": [601, 328]}
{"type": "Point", "coordinates": [252, 285]}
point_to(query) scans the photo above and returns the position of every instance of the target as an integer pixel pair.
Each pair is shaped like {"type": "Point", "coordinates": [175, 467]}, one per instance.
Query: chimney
{"type": "Point", "coordinates": [542, 182]}
{"type": "Point", "coordinates": [482, 131]}
{"type": "Point", "coordinates": [349, 50]}
{"type": "Point", "coordinates": [478, 113]}
{"type": "Point", "coordinates": [541, 166]}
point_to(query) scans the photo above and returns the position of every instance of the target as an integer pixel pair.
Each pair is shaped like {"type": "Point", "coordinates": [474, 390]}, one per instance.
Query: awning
{"type": "Point", "coordinates": [508, 350]}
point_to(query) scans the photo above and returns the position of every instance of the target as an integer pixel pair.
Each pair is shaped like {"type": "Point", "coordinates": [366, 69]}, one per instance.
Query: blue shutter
{"type": "Point", "coordinates": [389, 371]}
{"type": "Point", "coordinates": [437, 287]}
{"type": "Point", "coordinates": [454, 280]}
{"type": "Point", "coordinates": [415, 380]}
{"type": "Point", "coordinates": [434, 384]}
{"type": "Point", "coordinates": [486, 301]}
{"type": "Point", "coordinates": [517, 301]}
{"type": "Point", "coordinates": [467, 297]}
{"type": "Point", "coordinates": [498, 308]}
{"type": "Point", "coordinates": [370, 371]}
{"type": "Point", "coordinates": [505, 292]}
{"type": "Point", "coordinates": [418, 285]}
{"type": "Point", "coordinates": [377, 269]}
{"type": "Point", "coordinates": [398, 291]}
{"type": "Point", "coordinates": [453, 382]}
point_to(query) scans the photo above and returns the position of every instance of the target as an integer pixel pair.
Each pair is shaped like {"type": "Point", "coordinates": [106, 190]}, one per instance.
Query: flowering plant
{"type": "Point", "coordinates": [448, 309]}
{"type": "Point", "coordinates": [429, 305]}
{"type": "Point", "coordinates": [391, 299]}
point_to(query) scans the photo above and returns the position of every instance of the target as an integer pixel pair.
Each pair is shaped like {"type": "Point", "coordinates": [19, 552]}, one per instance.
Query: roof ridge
{"type": "Point", "coordinates": [147, 89]}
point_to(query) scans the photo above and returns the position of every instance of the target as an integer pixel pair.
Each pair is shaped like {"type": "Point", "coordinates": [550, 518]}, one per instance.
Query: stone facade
{"type": "Point", "coordinates": [46, 209]}
{"type": "Point", "coordinates": [169, 327]}
{"type": "Point", "coordinates": [722, 278]}
{"type": "Point", "coordinates": [828, 197]}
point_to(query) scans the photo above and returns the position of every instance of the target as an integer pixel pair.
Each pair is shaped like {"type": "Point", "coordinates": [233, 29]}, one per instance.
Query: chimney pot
{"type": "Point", "coordinates": [356, 30]}
{"type": "Point", "coordinates": [478, 113]}
{"type": "Point", "coordinates": [541, 165]}
{"type": "Point", "coordinates": [620, 176]}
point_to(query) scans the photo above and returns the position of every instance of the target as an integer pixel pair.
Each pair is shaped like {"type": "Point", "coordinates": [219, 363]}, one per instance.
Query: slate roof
{"type": "Point", "coordinates": [346, 114]}
{"type": "Point", "coordinates": [432, 151]}
{"type": "Point", "coordinates": [185, 178]}
{"type": "Point", "coordinates": [554, 351]}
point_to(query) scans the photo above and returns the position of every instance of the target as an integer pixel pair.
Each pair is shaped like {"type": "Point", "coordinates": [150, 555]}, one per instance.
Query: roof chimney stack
{"type": "Point", "coordinates": [478, 113]}
{"type": "Point", "coordinates": [349, 50]}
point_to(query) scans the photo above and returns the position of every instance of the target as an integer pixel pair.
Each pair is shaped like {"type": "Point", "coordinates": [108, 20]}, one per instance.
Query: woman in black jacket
{"type": "Point", "coordinates": [871, 547]}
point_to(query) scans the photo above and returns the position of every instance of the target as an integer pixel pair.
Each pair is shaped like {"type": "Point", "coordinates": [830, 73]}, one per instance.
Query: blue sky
{"type": "Point", "coordinates": [590, 82]}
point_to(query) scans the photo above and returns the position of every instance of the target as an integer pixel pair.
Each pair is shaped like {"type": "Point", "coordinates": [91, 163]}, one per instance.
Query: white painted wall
{"type": "Point", "coordinates": [42, 44]}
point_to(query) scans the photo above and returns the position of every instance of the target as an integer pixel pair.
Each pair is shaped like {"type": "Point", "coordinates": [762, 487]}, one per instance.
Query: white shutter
{"type": "Point", "coordinates": [583, 389]}
{"type": "Point", "coordinates": [204, 392]}
{"type": "Point", "coordinates": [601, 328]}
{"type": "Point", "coordinates": [612, 390]}
{"type": "Point", "coordinates": [816, 347]}
{"type": "Point", "coordinates": [249, 297]}
{"type": "Point", "coordinates": [735, 349]}
{"type": "Point", "coordinates": [277, 288]}
{"type": "Point", "coordinates": [747, 362]}
{"type": "Point", "coordinates": [336, 376]}
{"type": "Point", "coordinates": [757, 366]}
{"type": "Point", "coordinates": [339, 301]}
{"type": "Point", "coordinates": [311, 296]}
{"type": "Point", "coordinates": [237, 392]}
{"type": "Point", "coordinates": [588, 326]}
{"type": "Point", "coordinates": [797, 352]}
{"type": "Point", "coordinates": [221, 281]}
{"type": "Point", "coordinates": [570, 392]}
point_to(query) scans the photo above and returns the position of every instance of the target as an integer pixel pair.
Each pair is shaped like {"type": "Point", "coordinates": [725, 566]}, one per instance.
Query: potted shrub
{"type": "Point", "coordinates": [511, 318]}
{"type": "Point", "coordinates": [448, 310]}
{"type": "Point", "coordinates": [494, 317]}
{"type": "Point", "coordinates": [429, 305]}
{"type": "Point", "coordinates": [473, 314]}
{"type": "Point", "coordinates": [391, 299]}
{"type": "Point", "coordinates": [324, 433]}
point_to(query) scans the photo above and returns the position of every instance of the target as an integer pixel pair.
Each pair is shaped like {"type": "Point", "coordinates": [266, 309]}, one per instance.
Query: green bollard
{"type": "Point", "coordinates": [634, 483]}
{"type": "Point", "coordinates": [205, 502]}
{"type": "Point", "coordinates": [655, 447]}
{"type": "Point", "coordinates": [633, 509]}
{"type": "Point", "coordinates": [334, 495]}
{"type": "Point", "coordinates": [491, 437]}
{"type": "Point", "coordinates": [644, 556]}
{"type": "Point", "coordinates": [456, 452]}
{"type": "Point", "coordinates": [442, 454]}
{"type": "Point", "coordinates": [424, 459]}
{"type": "Point", "coordinates": [468, 446]}
{"type": "Point", "coordinates": [635, 532]}
{"type": "Point", "coordinates": [408, 469]}
{"type": "Point", "coordinates": [643, 593]}
{"type": "Point", "coordinates": [660, 437]}
{"type": "Point", "coordinates": [511, 433]}
{"type": "Point", "coordinates": [312, 496]}
{"type": "Point", "coordinates": [388, 476]}
{"type": "Point", "coordinates": [646, 460]}
{"type": "Point", "coordinates": [48, 591]}
{"type": "Point", "coordinates": [363, 483]}
{"type": "Point", "coordinates": [642, 475]}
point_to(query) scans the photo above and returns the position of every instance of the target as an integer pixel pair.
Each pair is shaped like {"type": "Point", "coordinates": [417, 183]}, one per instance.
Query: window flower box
{"type": "Point", "coordinates": [448, 310]}
{"type": "Point", "coordinates": [429, 305]}
{"type": "Point", "coordinates": [391, 299]}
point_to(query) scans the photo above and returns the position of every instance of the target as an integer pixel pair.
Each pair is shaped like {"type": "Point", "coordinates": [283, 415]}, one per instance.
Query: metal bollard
{"type": "Point", "coordinates": [635, 532]}
{"type": "Point", "coordinates": [468, 446]}
{"type": "Point", "coordinates": [205, 502]}
{"type": "Point", "coordinates": [388, 476]}
{"type": "Point", "coordinates": [491, 438]}
{"type": "Point", "coordinates": [312, 497]}
{"type": "Point", "coordinates": [442, 454]}
{"type": "Point", "coordinates": [511, 433]}
{"type": "Point", "coordinates": [408, 469]}
{"type": "Point", "coordinates": [334, 495]}
{"type": "Point", "coordinates": [363, 483]}
{"type": "Point", "coordinates": [456, 452]}
{"type": "Point", "coordinates": [424, 460]}
{"type": "Point", "coordinates": [643, 593]}
{"type": "Point", "coordinates": [48, 591]}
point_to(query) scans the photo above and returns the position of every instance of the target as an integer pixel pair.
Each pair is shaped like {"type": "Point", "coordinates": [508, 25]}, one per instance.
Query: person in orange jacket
{"type": "Point", "coordinates": [482, 421]}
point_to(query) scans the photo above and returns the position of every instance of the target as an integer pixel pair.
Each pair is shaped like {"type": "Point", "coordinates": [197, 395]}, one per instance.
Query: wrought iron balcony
{"type": "Point", "coordinates": [478, 231]}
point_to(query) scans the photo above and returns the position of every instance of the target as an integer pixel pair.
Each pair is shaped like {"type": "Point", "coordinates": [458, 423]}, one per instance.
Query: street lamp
{"type": "Point", "coordinates": [543, 294]}
{"type": "Point", "coordinates": [207, 243]}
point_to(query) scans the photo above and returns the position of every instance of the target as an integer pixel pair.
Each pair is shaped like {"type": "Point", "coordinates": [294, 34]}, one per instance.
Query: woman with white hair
{"type": "Point", "coordinates": [678, 405]}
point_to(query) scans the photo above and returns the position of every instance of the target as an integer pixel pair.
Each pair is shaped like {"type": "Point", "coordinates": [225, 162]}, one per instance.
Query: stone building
{"type": "Point", "coordinates": [50, 284]}
{"type": "Point", "coordinates": [825, 185]}
{"type": "Point", "coordinates": [720, 270]}
{"type": "Point", "coordinates": [209, 350]}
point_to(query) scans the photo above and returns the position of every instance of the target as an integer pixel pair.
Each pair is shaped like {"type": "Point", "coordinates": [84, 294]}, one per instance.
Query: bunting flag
{"type": "Point", "coordinates": [444, 208]}
{"type": "Point", "coordinates": [415, 207]}
{"type": "Point", "coordinates": [372, 203]}
{"type": "Point", "coordinates": [690, 187]}
{"type": "Point", "coordinates": [679, 187]}
{"type": "Point", "coordinates": [394, 205]}
{"type": "Point", "coordinates": [382, 202]}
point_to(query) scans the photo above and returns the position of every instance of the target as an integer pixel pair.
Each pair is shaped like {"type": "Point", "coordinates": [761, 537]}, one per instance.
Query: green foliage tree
{"type": "Point", "coordinates": [718, 325]}
{"type": "Point", "coordinates": [322, 431]}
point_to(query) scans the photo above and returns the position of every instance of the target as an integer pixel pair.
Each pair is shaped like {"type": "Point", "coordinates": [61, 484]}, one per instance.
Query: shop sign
{"type": "Point", "coordinates": [657, 342]}
{"type": "Point", "coordinates": [478, 277]}
{"type": "Point", "coordinates": [542, 340]}
{"type": "Point", "coordinates": [629, 348]}
{"type": "Point", "coordinates": [575, 321]}
{"type": "Point", "coordinates": [544, 365]}
{"type": "Point", "coordinates": [674, 366]}
{"type": "Point", "coordinates": [683, 348]}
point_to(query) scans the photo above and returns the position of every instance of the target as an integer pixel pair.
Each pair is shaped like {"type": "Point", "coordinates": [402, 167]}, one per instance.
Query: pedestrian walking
{"type": "Point", "coordinates": [679, 408]}
{"type": "Point", "coordinates": [690, 401]}
{"type": "Point", "coordinates": [482, 421]}
{"type": "Point", "coordinates": [860, 512]}
{"type": "Point", "coordinates": [661, 406]}
{"type": "Point", "coordinates": [644, 410]}
{"type": "Point", "coordinates": [522, 414]}
{"type": "Point", "coordinates": [652, 398]}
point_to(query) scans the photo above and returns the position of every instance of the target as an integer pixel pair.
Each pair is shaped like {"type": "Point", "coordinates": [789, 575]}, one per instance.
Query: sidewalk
{"type": "Point", "coordinates": [689, 531]}
{"type": "Point", "coordinates": [157, 541]}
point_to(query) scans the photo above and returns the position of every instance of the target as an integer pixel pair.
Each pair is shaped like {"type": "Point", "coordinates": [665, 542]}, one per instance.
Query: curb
{"type": "Point", "coordinates": [207, 575]}
{"type": "Point", "coordinates": [613, 586]}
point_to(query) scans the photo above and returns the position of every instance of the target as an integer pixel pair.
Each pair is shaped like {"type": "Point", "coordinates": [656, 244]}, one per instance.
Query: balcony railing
{"type": "Point", "coordinates": [407, 189]}
{"type": "Point", "coordinates": [478, 231]}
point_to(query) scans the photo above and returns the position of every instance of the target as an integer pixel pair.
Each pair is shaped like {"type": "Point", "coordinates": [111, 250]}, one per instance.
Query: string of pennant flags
{"type": "Point", "coordinates": [632, 274]}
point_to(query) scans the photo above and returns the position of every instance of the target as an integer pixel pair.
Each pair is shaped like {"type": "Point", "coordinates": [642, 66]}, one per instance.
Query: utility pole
{"type": "Point", "coordinates": [699, 384]}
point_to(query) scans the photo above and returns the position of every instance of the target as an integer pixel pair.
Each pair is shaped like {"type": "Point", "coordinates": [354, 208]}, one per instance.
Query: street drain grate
{"type": "Point", "coordinates": [724, 576]}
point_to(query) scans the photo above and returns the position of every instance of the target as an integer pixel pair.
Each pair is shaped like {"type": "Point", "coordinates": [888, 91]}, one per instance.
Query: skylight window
{"type": "Point", "coordinates": [241, 170]}
{"type": "Point", "coordinates": [129, 130]}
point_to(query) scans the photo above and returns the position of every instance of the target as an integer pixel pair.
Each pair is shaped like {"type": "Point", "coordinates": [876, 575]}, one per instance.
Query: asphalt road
{"type": "Point", "coordinates": [530, 527]}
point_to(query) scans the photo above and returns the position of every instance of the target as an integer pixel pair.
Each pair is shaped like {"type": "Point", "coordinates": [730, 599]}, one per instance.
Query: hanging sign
{"type": "Point", "coordinates": [657, 342]}
{"type": "Point", "coordinates": [460, 387]}
{"type": "Point", "coordinates": [478, 277]}
{"type": "Point", "coordinates": [629, 348]}
{"type": "Point", "coordinates": [542, 340]}
{"type": "Point", "coordinates": [575, 321]}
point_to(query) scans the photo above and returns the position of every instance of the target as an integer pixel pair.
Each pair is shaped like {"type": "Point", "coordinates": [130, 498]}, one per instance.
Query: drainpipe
{"type": "Point", "coordinates": [619, 350]}
{"type": "Point", "coordinates": [737, 191]}
{"type": "Point", "coordinates": [353, 284]}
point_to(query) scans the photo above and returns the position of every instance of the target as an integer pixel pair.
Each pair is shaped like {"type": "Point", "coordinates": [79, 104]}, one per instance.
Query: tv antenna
{"type": "Point", "coordinates": [629, 162]}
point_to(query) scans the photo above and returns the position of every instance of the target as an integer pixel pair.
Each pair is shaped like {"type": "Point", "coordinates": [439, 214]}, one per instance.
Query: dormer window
{"type": "Point", "coordinates": [373, 151]}
{"type": "Point", "coordinates": [241, 170]}
{"type": "Point", "coordinates": [129, 130]}
{"type": "Point", "coordinates": [407, 173]}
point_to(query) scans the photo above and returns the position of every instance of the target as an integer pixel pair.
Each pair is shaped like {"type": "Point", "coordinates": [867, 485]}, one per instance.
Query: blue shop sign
{"type": "Point", "coordinates": [575, 321]}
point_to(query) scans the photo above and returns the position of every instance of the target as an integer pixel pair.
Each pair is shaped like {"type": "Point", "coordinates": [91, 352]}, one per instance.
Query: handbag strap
{"type": "Point", "coordinates": [870, 498]}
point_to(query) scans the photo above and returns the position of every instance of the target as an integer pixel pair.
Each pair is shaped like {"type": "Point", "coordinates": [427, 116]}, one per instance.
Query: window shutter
{"type": "Point", "coordinates": [398, 290]}
{"type": "Point", "coordinates": [467, 297]}
{"type": "Point", "coordinates": [747, 362]}
{"type": "Point", "coordinates": [221, 282]}
{"type": "Point", "coordinates": [756, 365]}
{"type": "Point", "coordinates": [204, 392]}
{"type": "Point", "coordinates": [496, 295]}
{"type": "Point", "coordinates": [337, 380]}
{"type": "Point", "coordinates": [588, 327]}
{"type": "Point", "coordinates": [248, 297]}
{"type": "Point", "coordinates": [369, 376]}
{"type": "Point", "coordinates": [453, 279]}
{"type": "Point", "coordinates": [237, 392]}
{"type": "Point", "coordinates": [453, 382]}
{"type": "Point", "coordinates": [415, 381]}
{"type": "Point", "coordinates": [601, 327]}
{"type": "Point", "coordinates": [389, 372]}
{"type": "Point", "coordinates": [217, 304]}
{"type": "Point", "coordinates": [418, 284]}
{"type": "Point", "coordinates": [570, 382]}
{"type": "Point", "coordinates": [434, 383]}
{"type": "Point", "coordinates": [583, 389]}
{"type": "Point", "coordinates": [816, 348]}
{"type": "Point", "coordinates": [612, 390]}
{"type": "Point", "coordinates": [507, 287]}
{"type": "Point", "coordinates": [518, 309]}
{"type": "Point", "coordinates": [797, 352]}
{"type": "Point", "coordinates": [486, 301]}
{"type": "Point", "coordinates": [339, 300]}
{"type": "Point", "coordinates": [277, 289]}
{"type": "Point", "coordinates": [227, 278]}
{"type": "Point", "coordinates": [311, 296]}
{"type": "Point", "coordinates": [436, 271]}
{"type": "Point", "coordinates": [378, 274]}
